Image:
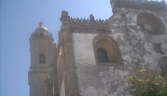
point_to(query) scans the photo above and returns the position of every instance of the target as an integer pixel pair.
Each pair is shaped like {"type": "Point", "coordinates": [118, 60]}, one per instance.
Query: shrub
{"type": "Point", "coordinates": [143, 84]}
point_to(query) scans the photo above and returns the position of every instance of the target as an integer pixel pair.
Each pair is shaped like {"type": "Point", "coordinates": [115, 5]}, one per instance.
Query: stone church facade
{"type": "Point", "coordinates": [94, 57]}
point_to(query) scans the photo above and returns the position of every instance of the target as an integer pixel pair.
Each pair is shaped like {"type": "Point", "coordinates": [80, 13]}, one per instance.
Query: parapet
{"type": "Point", "coordinates": [83, 23]}
{"type": "Point", "coordinates": [140, 4]}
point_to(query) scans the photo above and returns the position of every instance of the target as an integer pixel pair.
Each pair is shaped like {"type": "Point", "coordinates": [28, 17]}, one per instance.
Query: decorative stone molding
{"type": "Point", "coordinates": [110, 45]}
{"type": "Point", "coordinates": [151, 23]}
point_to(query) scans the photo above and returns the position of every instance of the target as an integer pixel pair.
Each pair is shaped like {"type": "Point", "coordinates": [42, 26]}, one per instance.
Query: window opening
{"type": "Point", "coordinates": [102, 55]}
{"type": "Point", "coordinates": [42, 59]}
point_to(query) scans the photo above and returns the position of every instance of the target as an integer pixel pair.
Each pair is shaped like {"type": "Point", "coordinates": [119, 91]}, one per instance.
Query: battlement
{"type": "Point", "coordinates": [88, 24]}
{"type": "Point", "coordinates": [140, 4]}
{"type": "Point", "coordinates": [83, 23]}
{"type": "Point", "coordinates": [88, 21]}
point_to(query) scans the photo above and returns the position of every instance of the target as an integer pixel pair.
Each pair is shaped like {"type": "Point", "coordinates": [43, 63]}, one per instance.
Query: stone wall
{"type": "Point", "coordinates": [96, 79]}
{"type": "Point", "coordinates": [138, 47]}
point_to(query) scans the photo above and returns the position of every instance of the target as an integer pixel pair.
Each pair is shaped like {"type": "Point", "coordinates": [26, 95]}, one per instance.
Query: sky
{"type": "Point", "coordinates": [19, 18]}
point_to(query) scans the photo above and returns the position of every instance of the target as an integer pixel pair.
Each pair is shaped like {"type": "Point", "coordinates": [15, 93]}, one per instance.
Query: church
{"type": "Point", "coordinates": [94, 57]}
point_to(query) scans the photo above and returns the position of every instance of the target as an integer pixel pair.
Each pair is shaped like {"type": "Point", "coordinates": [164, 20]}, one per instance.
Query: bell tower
{"type": "Point", "coordinates": [42, 54]}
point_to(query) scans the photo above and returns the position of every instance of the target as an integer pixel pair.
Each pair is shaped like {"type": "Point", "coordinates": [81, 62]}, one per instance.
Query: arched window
{"type": "Point", "coordinates": [102, 55]}
{"type": "Point", "coordinates": [41, 58]}
{"type": "Point", "coordinates": [106, 50]}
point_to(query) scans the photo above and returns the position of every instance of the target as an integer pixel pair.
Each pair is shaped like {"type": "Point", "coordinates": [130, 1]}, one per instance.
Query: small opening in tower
{"type": "Point", "coordinates": [41, 58]}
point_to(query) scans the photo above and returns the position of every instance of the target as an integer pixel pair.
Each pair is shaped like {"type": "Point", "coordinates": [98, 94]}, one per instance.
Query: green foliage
{"type": "Point", "coordinates": [144, 84]}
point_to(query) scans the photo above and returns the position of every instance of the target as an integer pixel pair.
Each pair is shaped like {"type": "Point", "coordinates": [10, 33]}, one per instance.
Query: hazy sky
{"type": "Point", "coordinates": [19, 18]}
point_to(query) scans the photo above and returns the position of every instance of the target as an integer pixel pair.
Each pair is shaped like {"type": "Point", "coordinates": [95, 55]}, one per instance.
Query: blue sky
{"type": "Point", "coordinates": [18, 19]}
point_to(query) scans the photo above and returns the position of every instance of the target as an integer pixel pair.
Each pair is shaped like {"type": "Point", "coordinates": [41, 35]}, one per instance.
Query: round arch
{"type": "Point", "coordinates": [108, 44]}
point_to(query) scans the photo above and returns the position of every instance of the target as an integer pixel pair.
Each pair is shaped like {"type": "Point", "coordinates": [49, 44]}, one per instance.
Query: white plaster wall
{"type": "Point", "coordinates": [62, 89]}
{"type": "Point", "coordinates": [83, 48]}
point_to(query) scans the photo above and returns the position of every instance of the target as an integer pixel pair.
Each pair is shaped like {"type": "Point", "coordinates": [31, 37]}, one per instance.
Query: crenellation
{"type": "Point", "coordinates": [83, 20]}
{"type": "Point", "coordinates": [88, 23]}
